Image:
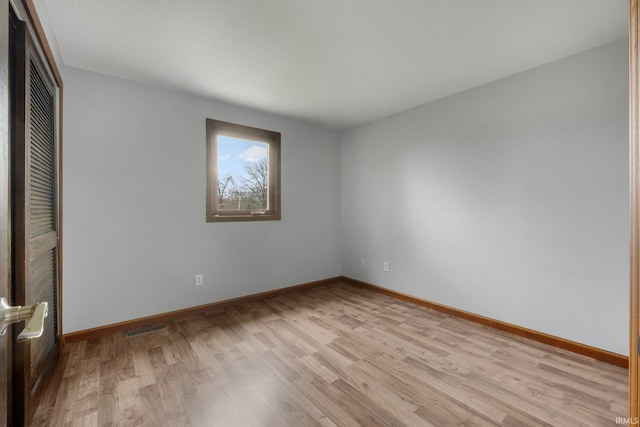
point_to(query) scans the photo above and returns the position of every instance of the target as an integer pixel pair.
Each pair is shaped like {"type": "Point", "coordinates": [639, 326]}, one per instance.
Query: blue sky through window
{"type": "Point", "coordinates": [234, 153]}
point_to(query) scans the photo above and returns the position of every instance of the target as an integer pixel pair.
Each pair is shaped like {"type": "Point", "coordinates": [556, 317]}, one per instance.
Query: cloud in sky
{"type": "Point", "coordinates": [255, 153]}
{"type": "Point", "coordinates": [234, 154]}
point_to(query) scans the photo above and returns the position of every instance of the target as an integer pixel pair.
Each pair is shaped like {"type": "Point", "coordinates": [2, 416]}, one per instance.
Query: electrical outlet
{"type": "Point", "coordinates": [385, 266]}
{"type": "Point", "coordinates": [199, 279]}
{"type": "Point", "coordinates": [363, 262]}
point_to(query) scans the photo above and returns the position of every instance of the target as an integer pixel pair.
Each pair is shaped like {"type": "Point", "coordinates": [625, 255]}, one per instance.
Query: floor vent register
{"type": "Point", "coordinates": [145, 330]}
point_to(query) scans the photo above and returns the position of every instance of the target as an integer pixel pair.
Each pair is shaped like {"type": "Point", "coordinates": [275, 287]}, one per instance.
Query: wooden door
{"type": "Point", "coordinates": [35, 213]}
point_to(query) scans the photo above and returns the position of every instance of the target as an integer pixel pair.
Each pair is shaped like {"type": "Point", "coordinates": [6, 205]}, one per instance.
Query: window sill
{"type": "Point", "coordinates": [238, 218]}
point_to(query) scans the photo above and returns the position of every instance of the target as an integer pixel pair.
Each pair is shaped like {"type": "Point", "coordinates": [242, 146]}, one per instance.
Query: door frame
{"type": "Point", "coordinates": [634, 213]}
{"type": "Point", "coordinates": [5, 210]}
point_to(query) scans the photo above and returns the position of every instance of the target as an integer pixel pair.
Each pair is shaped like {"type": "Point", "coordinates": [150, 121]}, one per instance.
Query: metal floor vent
{"type": "Point", "coordinates": [145, 330]}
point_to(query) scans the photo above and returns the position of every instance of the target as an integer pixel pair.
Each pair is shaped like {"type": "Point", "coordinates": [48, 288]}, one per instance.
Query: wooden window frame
{"type": "Point", "coordinates": [234, 130]}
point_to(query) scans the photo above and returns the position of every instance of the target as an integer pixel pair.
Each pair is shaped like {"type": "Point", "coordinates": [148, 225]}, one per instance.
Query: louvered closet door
{"type": "Point", "coordinates": [36, 218]}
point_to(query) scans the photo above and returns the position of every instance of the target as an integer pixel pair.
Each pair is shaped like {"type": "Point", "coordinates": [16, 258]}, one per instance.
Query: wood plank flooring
{"type": "Point", "coordinates": [336, 355]}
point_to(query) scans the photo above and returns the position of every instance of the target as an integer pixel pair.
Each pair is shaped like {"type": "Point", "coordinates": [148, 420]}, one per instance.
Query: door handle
{"type": "Point", "coordinates": [35, 315]}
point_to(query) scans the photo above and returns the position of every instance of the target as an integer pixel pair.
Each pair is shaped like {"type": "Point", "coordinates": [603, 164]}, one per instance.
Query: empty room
{"type": "Point", "coordinates": [304, 213]}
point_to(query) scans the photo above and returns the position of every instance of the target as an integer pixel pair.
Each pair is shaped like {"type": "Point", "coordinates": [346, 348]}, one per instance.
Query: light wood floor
{"type": "Point", "coordinates": [336, 355]}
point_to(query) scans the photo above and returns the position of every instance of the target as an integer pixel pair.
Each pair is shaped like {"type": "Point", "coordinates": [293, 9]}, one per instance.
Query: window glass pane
{"type": "Point", "coordinates": [243, 175]}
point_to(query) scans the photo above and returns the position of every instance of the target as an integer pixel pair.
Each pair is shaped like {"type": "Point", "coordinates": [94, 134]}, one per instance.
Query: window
{"type": "Point", "coordinates": [243, 173]}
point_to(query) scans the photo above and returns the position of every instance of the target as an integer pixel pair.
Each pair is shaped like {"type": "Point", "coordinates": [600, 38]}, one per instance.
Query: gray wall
{"type": "Point", "coordinates": [134, 205]}
{"type": "Point", "coordinates": [508, 200]}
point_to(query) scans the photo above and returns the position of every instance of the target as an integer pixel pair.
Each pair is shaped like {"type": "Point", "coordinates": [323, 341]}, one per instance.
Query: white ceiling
{"type": "Point", "coordinates": [336, 63]}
